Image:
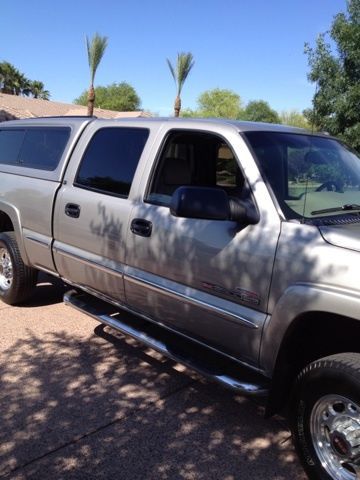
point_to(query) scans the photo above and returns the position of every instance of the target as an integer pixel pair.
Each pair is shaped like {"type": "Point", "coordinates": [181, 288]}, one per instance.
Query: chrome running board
{"type": "Point", "coordinates": [197, 357]}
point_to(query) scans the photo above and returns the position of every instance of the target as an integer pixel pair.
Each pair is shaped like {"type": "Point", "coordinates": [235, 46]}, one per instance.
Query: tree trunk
{"type": "Point", "coordinates": [177, 106]}
{"type": "Point", "coordinates": [91, 101]}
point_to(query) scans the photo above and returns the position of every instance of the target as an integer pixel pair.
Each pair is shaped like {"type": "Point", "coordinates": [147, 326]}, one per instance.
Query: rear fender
{"type": "Point", "coordinates": [14, 215]}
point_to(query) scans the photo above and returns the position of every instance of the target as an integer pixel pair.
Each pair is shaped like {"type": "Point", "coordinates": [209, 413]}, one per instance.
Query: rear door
{"type": "Point", "coordinates": [93, 207]}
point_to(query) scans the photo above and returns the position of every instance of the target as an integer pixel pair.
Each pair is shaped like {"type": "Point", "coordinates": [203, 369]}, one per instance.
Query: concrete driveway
{"type": "Point", "coordinates": [79, 401]}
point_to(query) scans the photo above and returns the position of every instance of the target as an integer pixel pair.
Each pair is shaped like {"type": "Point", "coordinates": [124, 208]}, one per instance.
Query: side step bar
{"type": "Point", "coordinates": [194, 355]}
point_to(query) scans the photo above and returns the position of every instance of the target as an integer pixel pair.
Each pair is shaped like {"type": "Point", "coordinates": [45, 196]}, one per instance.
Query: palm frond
{"type": "Point", "coordinates": [95, 50]}
{"type": "Point", "coordinates": [185, 62]}
{"type": "Point", "coordinates": [171, 70]}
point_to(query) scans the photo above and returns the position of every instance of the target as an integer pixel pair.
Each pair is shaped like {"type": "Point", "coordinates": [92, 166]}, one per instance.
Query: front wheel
{"type": "Point", "coordinates": [325, 417]}
{"type": "Point", "coordinates": [17, 280]}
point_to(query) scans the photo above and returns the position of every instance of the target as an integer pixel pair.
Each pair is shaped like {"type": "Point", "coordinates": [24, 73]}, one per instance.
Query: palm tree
{"type": "Point", "coordinates": [7, 74]}
{"type": "Point", "coordinates": [10, 79]}
{"type": "Point", "coordinates": [185, 62]}
{"type": "Point", "coordinates": [37, 90]}
{"type": "Point", "coordinates": [22, 85]}
{"type": "Point", "coordinates": [14, 82]}
{"type": "Point", "coordinates": [95, 49]}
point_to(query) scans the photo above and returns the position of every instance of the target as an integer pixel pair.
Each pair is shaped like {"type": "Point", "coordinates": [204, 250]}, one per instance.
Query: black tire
{"type": "Point", "coordinates": [324, 413]}
{"type": "Point", "coordinates": [17, 280]}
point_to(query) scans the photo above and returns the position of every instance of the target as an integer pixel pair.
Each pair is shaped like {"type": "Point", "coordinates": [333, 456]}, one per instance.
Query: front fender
{"type": "Point", "coordinates": [296, 301]}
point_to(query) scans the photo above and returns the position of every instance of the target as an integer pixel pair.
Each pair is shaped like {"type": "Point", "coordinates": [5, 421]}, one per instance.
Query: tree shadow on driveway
{"type": "Point", "coordinates": [75, 406]}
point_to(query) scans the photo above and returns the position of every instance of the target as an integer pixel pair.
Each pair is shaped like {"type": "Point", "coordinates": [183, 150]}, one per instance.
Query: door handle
{"type": "Point", "coordinates": [72, 210]}
{"type": "Point", "coordinates": [141, 227]}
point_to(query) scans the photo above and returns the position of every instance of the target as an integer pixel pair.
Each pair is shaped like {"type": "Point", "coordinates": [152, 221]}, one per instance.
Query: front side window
{"type": "Point", "coordinates": [311, 176]}
{"type": "Point", "coordinates": [111, 159]}
{"type": "Point", "coordinates": [194, 159]}
{"type": "Point", "coordinates": [226, 167]}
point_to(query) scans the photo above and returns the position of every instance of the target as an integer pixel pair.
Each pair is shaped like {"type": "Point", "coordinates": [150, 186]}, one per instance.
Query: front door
{"type": "Point", "coordinates": [208, 279]}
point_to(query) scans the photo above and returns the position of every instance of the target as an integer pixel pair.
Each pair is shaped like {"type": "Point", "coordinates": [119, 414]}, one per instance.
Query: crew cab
{"type": "Point", "coordinates": [232, 247]}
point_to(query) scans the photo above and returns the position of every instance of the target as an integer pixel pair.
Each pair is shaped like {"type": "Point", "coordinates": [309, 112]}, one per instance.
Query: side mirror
{"type": "Point", "coordinates": [243, 211]}
{"type": "Point", "coordinates": [200, 202]}
{"type": "Point", "coordinates": [212, 204]}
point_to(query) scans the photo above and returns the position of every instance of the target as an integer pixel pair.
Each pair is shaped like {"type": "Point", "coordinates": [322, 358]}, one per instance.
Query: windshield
{"type": "Point", "coordinates": [311, 176]}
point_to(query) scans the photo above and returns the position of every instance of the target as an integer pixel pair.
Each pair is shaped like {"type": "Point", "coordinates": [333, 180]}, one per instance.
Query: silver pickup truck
{"type": "Point", "coordinates": [231, 247]}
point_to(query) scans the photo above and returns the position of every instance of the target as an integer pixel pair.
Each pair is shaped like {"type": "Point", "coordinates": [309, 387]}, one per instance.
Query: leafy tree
{"type": "Point", "coordinates": [260, 111]}
{"type": "Point", "coordinates": [189, 113]}
{"type": "Point", "coordinates": [336, 72]}
{"type": "Point", "coordinates": [294, 119]}
{"type": "Point", "coordinates": [95, 50]}
{"type": "Point", "coordinates": [216, 103]}
{"type": "Point", "coordinates": [37, 90]}
{"type": "Point", "coordinates": [117, 96]}
{"type": "Point", "coordinates": [180, 72]}
{"type": "Point", "coordinates": [221, 103]}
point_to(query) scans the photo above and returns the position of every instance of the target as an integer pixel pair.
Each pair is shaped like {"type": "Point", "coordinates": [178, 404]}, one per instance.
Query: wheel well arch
{"type": "Point", "coordinates": [6, 224]}
{"type": "Point", "coordinates": [310, 336]}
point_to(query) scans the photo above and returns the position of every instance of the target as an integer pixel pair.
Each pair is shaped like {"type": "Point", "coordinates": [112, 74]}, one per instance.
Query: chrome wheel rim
{"type": "Point", "coordinates": [6, 269]}
{"type": "Point", "coordinates": [335, 433]}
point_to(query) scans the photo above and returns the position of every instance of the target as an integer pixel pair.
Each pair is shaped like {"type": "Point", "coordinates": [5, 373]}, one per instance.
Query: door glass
{"type": "Point", "coordinates": [111, 159]}
{"type": "Point", "coordinates": [194, 159]}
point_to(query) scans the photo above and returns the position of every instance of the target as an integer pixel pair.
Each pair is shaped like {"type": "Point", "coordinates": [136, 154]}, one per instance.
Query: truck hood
{"type": "Point", "coordinates": [346, 236]}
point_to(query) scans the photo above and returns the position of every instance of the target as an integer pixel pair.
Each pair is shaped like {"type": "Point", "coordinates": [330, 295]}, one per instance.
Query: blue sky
{"type": "Point", "coordinates": [252, 47]}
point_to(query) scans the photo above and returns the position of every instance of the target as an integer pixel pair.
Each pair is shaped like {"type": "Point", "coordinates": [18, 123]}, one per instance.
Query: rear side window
{"type": "Point", "coordinates": [43, 148]}
{"type": "Point", "coordinates": [10, 144]}
{"type": "Point", "coordinates": [111, 159]}
{"type": "Point", "coordinates": [39, 148]}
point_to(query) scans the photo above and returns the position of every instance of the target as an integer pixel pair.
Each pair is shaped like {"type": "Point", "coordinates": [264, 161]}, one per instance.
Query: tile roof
{"type": "Point", "coordinates": [13, 106]}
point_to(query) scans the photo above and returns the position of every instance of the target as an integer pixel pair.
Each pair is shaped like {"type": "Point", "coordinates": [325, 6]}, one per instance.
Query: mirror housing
{"type": "Point", "coordinates": [200, 202]}
{"type": "Point", "coordinates": [212, 204]}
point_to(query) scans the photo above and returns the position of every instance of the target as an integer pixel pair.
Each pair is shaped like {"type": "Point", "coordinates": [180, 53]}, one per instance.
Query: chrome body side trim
{"type": "Point", "coordinates": [101, 263]}
{"type": "Point", "coordinates": [46, 270]}
{"type": "Point", "coordinates": [38, 246]}
{"type": "Point", "coordinates": [38, 240]}
{"type": "Point", "coordinates": [130, 275]}
{"type": "Point", "coordinates": [189, 297]}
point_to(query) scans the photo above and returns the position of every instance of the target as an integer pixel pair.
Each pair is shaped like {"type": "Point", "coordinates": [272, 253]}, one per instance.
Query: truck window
{"type": "Point", "coordinates": [39, 148]}
{"type": "Point", "coordinates": [226, 167]}
{"type": "Point", "coordinates": [110, 160]}
{"type": "Point", "coordinates": [10, 144]}
{"type": "Point", "coordinates": [42, 148]}
{"type": "Point", "coordinates": [197, 159]}
{"type": "Point", "coordinates": [311, 176]}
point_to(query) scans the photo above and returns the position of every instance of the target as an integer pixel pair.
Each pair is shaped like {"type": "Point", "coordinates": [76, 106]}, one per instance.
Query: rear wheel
{"type": "Point", "coordinates": [325, 417]}
{"type": "Point", "coordinates": [17, 280]}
